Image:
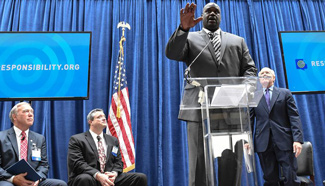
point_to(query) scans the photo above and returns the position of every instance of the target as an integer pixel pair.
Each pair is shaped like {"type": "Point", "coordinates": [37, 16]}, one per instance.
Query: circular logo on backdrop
{"type": "Point", "coordinates": [35, 64]}
{"type": "Point", "coordinates": [300, 64]}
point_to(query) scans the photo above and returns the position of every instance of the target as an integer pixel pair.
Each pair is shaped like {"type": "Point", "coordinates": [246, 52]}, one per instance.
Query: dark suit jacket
{"type": "Point", "coordinates": [283, 120]}
{"type": "Point", "coordinates": [83, 156]}
{"type": "Point", "coordinates": [235, 61]}
{"type": "Point", "coordinates": [9, 153]}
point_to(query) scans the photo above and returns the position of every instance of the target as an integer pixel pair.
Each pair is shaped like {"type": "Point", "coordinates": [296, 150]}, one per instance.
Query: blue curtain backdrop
{"type": "Point", "coordinates": [155, 83]}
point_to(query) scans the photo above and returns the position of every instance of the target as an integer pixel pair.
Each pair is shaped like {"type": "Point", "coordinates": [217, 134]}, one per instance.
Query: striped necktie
{"type": "Point", "coordinates": [216, 45]}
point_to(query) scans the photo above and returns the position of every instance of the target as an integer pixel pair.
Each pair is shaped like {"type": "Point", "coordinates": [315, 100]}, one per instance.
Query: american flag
{"type": "Point", "coordinates": [119, 118]}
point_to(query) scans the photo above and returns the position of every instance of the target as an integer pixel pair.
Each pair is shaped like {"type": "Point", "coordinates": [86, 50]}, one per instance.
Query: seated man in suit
{"type": "Point", "coordinates": [94, 158]}
{"type": "Point", "coordinates": [18, 143]}
{"type": "Point", "coordinates": [278, 133]}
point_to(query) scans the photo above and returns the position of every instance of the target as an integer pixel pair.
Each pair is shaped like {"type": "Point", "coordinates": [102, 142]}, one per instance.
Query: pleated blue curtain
{"type": "Point", "coordinates": [155, 83]}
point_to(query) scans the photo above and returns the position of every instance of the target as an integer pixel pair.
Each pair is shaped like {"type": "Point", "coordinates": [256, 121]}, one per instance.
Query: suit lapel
{"type": "Point", "coordinates": [109, 147]}
{"type": "Point", "coordinates": [210, 47]}
{"type": "Point", "coordinates": [224, 40]}
{"type": "Point", "coordinates": [92, 144]}
{"type": "Point", "coordinates": [31, 139]}
{"type": "Point", "coordinates": [13, 140]}
{"type": "Point", "coordinates": [275, 95]}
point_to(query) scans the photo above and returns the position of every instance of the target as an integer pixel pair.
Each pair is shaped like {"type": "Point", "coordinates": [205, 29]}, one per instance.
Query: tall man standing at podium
{"type": "Point", "coordinates": [226, 55]}
{"type": "Point", "coordinates": [278, 134]}
{"type": "Point", "coordinates": [19, 143]}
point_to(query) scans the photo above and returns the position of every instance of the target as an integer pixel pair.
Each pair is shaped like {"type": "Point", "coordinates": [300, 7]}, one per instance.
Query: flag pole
{"type": "Point", "coordinates": [119, 120]}
{"type": "Point", "coordinates": [120, 62]}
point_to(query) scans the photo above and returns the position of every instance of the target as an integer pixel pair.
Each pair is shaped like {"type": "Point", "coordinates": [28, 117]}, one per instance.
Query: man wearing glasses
{"type": "Point", "coordinates": [278, 133]}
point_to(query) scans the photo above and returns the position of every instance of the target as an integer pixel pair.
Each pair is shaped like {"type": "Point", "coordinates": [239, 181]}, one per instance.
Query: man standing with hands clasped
{"type": "Point", "coordinates": [278, 134]}
{"type": "Point", "coordinates": [225, 55]}
{"type": "Point", "coordinates": [94, 158]}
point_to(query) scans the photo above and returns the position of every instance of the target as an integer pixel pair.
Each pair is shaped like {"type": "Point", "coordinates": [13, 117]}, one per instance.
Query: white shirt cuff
{"type": "Point", "coordinates": [95, 175]}
{"type": "Point", "coordinates": [11, 179]}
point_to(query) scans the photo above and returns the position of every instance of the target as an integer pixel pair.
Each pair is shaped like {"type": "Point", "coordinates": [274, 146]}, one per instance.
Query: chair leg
{"type": "Point", "coordinates": [312, 177]}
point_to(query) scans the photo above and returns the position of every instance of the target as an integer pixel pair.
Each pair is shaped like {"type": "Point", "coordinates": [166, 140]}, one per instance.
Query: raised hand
{"type": "Point", "coordinates": [187, 16]}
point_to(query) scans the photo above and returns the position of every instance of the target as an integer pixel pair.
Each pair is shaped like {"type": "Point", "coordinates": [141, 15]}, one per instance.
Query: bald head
{"type": "Point", "coordinates": [211, 16]}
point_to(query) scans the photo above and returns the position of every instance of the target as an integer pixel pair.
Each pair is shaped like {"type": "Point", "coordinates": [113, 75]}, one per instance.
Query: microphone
{"type": "Point", "coordinates": [23, 138]}
{"type": "Point", "coordinates": [188, 69]}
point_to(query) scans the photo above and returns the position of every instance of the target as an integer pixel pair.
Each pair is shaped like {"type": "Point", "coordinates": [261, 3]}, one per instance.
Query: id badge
{"type": "Point", "coordinates": [114, 151]}
{"type": "Point", "coordinates": [36, 153]}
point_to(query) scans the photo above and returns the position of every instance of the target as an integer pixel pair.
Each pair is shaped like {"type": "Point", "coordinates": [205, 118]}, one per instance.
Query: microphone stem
{"type": "Point", "coordinates": [199, 54]}
{"type": "Point", "coordinates": [187, 70]}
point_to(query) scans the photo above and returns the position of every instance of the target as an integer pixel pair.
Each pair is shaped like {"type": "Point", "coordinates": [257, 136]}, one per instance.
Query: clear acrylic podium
{"type": "Point", "coordinates": [228, 144]}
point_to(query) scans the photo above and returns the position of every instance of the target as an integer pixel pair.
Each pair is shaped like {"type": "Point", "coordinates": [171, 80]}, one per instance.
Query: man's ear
{"type": "Point", "coordinates": [14, 117]}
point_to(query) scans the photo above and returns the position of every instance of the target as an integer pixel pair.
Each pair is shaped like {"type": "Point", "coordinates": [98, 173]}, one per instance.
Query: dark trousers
{"type": "Point", "coordinates": [47, 182]}
{"type": "Point", "coordinates": [229, 164]}
{"type": "Point", "coordinates": [197, 176]}
{"type": "Point", "coordinates": [272, 159]}
{"type": "Point", "coordinates": [124, 179]}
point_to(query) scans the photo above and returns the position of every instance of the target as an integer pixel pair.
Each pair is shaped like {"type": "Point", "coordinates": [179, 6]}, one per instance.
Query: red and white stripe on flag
{"type": "Point", "coordinates": [120, 127]}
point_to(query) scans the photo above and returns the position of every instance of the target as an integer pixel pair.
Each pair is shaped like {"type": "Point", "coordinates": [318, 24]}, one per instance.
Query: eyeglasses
{"type": "Point", "coordinates": [265, 77]}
